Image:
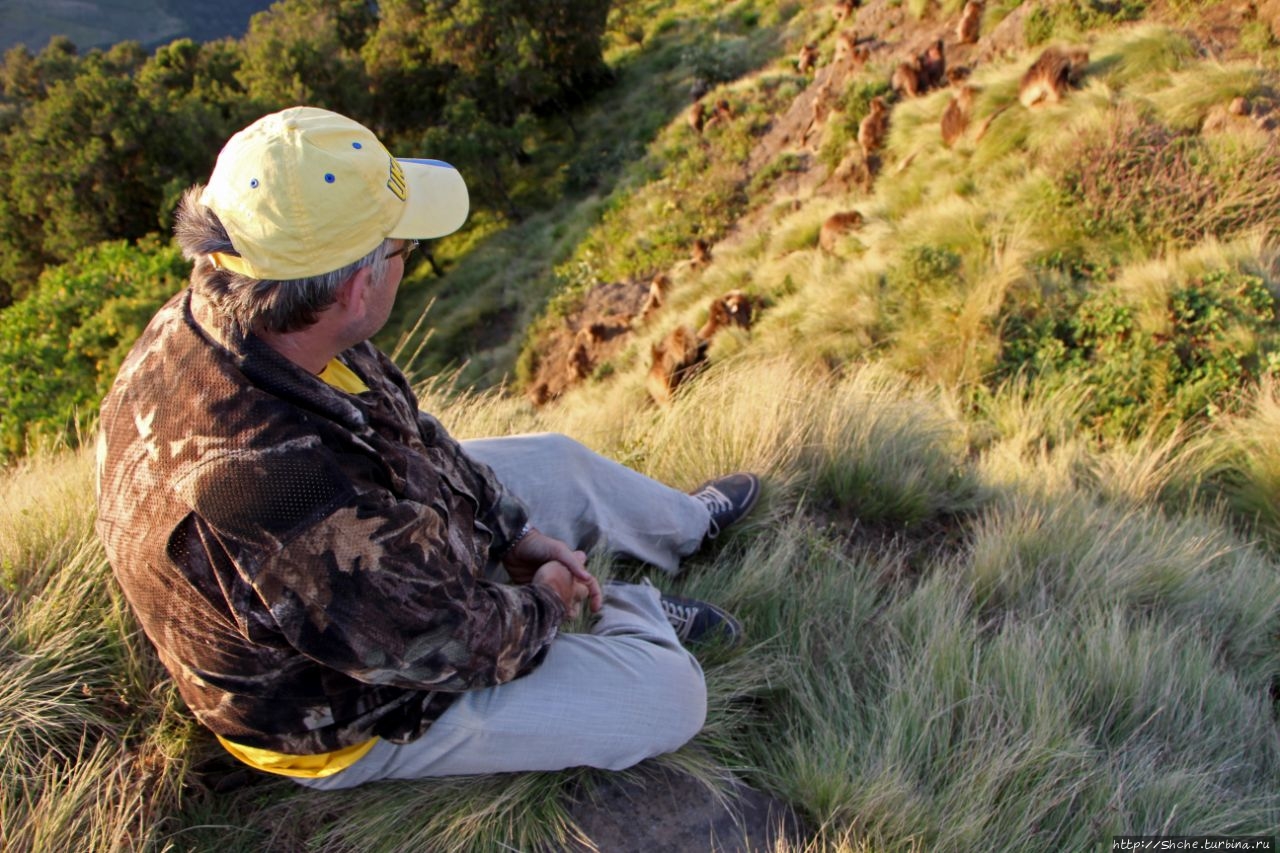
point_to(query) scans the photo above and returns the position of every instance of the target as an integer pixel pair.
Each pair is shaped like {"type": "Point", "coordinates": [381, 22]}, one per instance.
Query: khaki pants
{"type": "Point", "coordinates": [626, 691]}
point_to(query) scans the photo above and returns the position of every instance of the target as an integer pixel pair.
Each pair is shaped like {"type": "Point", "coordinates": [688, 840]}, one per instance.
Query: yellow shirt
{"type": "Point", "coordinates": [305, 766]}
{"type": "Point", "coordinates": [343, 378]}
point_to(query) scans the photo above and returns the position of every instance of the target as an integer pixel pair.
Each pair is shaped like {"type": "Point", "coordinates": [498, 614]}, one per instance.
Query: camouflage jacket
{"type": "Point", "coordinates": [308, 563]}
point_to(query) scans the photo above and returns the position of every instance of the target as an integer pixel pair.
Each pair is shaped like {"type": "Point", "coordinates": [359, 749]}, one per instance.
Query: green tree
{"type": "Point", "coordinates": [516, 55]}
{"type": "Point", "coordinates": [197, 103]}
{"type": "Point", "coordinates": [308, 52]}
{"type": "Point", "coordinates": [60, 347]}
{"type": "Point", "coordinates": [105, 153]}
{"type": "Point", "coordinates": [487, 152]}
{"type": "Point", "coordinates": [19, 84]}
{"type": "Point", "coordinates": [79, 167]}
{"type": "Point", "coordinates": [99, 147]}
{"type": "Point", "coordinates": [468, 79]}
{"type": "Point", "coordinates": [408, 83]}
{"type": "Point", "coordinates": [58, 60]}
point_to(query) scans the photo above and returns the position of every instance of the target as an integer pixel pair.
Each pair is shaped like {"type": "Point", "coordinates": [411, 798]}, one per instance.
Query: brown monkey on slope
{"type": "Point", "coordinates": [955, 118]}
{"type": "Point", "coordinates": [970, 22]}
{"type": "Point", "coordinates": [905, 79]}
{"type": "Point", "coordinates": [1053, 72]}
{"type": "Point", "coordinates": [874, 127]}
{"type": "Point", "coordinates": [933, 67]}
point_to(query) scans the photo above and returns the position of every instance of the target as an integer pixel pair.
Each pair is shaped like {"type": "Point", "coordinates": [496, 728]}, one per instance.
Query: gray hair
{"type": "Point", "coordinates": [257, 304]}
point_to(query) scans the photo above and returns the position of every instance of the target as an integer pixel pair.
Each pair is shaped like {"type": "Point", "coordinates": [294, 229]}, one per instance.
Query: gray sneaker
{"type": "Point", "coordinates": [728, 499]}
{"type": "Point", "coordinates": [698, 622]}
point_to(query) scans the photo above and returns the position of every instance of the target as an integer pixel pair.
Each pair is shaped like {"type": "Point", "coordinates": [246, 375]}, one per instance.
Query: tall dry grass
{"type": "Point", "coordinates": [1053, 648]}
{"type": "Point", "coordinates": [90, 736]}
{"type": "Point", "coordinates": [942, 652]}
{"type": "Point", "coordinates": [974, 623]}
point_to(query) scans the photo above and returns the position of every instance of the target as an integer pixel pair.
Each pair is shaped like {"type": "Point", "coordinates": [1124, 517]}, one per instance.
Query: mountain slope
{"type": "Point", "coordinates": [1013, 581]}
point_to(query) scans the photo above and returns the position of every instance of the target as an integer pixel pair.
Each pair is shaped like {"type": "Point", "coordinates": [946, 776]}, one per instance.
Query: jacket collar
{"type": "Point", "coordinates": [268, 370]}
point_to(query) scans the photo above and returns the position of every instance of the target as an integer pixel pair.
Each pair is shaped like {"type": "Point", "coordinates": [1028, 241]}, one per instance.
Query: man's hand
{"type": "Point", "coordinates": [536, 549]}
{"type": "Point", "coordinates": [557, 577]}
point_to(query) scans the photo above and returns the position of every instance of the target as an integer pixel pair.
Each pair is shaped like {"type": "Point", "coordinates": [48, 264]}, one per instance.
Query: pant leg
{"type": "Point", "coordinates": [585, 499]}
{"type": "Point", "coordinates": [609, 699]}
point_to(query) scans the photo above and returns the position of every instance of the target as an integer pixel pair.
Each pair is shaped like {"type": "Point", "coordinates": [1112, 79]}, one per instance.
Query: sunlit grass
{"type": "Point", "coordinates": [973, 622]}
{"type": "Point", "coordinates": [938, 653]}
{"type": "Point", "coordinates": [1245, 458]}
{"type": "Point", "coordinates": [1186, 99]}
{"type": "Point", "coordinates": [48, 500]}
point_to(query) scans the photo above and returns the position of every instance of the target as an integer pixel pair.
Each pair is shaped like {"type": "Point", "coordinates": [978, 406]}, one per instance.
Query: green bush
{"type": "Point", "coordinates": [1257, 38]}
{"type": "Point", "coordinates": [1075, 17]}
{"type": "Point", "coordinates": [61, 346]}
{"type": "Point", "coordinates": [1219, 332]}
{"type": "Point", "coordinates": [922, 272]}
{"type": "Point", "coordinates": [717, 61]}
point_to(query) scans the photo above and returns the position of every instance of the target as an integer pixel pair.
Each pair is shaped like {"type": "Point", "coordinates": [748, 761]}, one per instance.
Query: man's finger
{"type": "Point", "coordinates": [576, 561]}
{"type": "Point", "coordinates": [589, 591]}
{"type": "Point", "coordinates": [593, 585]}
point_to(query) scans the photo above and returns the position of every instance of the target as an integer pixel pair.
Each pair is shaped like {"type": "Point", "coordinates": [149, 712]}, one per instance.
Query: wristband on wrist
{"type": "Point", "coordinates": [524, 531]}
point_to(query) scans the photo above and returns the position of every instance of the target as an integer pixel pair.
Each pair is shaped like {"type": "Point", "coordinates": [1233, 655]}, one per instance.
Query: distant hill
{"type": "Point", "coordinates": [93, 23]}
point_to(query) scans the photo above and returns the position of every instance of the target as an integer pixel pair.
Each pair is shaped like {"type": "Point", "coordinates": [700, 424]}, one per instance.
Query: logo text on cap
{"type": "Point", "coordinates": [396, 183]}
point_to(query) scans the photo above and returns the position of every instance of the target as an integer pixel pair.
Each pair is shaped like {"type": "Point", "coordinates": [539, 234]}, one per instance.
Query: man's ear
{"type": "Point", "coordinates": [352, 292]}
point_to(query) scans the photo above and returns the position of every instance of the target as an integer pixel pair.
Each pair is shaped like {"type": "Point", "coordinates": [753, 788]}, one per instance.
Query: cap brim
{"type": "Point", "coordinates": [438, 200]}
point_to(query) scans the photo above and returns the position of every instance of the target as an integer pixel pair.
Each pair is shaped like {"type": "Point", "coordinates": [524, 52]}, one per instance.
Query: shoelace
{"type": "Point", "coordinates": [681, 617]}
{"type": "Point", "coordinates": [716, 502]}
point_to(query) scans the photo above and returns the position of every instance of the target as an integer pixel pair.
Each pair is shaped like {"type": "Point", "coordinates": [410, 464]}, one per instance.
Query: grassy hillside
{"type": "Point", "coordinates": [1014, 582]}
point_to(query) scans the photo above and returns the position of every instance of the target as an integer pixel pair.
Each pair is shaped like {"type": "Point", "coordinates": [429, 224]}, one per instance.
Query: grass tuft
{"type": "Point", "coordinates": [1014, 580]}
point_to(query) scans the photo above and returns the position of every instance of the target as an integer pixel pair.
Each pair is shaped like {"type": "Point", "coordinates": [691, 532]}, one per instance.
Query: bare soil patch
{"type": "Point", "coordinates": [671, 811]}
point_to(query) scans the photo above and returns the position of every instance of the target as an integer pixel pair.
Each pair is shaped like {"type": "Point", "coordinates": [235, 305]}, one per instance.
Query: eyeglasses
{"type": "Point", "coordinates": [404, 251]}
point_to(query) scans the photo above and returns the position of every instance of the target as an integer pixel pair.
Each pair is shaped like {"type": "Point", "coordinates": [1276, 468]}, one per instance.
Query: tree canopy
{"type": "Point", "coordinates": [96, 148]}
{"type": "Point", "coordinates": [61, 346]}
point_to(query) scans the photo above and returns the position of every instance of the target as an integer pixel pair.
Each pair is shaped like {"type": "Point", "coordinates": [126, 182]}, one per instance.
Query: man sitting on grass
{"type": "Point", "coordinates": [342, 591]}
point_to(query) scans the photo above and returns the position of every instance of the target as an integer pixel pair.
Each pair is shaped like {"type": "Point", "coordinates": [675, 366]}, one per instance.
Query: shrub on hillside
{"type": "Point", "coordinates": [919, 276]}
{"type": "Point", "coordinates": [60, 347]}
{"type": "Point", "coordinates": [1078, 16]}
{"type": "Point", "coordinates": [1185, 360]}
{"type": "Point", "coordinates": [716, 62]}
{"type": "Point", "coordinates": [1139, 182]}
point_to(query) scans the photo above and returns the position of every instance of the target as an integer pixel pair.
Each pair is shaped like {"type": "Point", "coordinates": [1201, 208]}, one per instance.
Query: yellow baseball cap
{"type": "Point", "coordinates": [306, 191]}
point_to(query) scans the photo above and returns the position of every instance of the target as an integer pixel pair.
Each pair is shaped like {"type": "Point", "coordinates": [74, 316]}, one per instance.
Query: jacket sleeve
{"type": "Point", "coordinates": [383, 592]}
{"type": "Point", "coordinates": [501, 512]}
